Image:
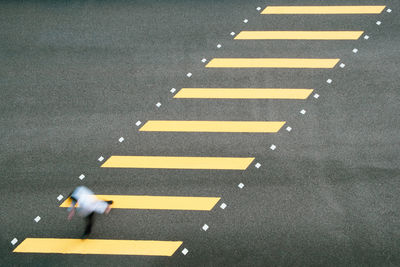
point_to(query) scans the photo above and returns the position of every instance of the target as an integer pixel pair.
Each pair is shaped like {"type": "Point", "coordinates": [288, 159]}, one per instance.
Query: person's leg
{"type": "Point", "coordinates": [89, 224]}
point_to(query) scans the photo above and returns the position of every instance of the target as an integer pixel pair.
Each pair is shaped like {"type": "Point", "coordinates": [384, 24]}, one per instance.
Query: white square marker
{"type": "Point", "coordinates": [342, 65]}
{"type": "Point", "coordinates": [378, 23]}
{"type": "Point", "coordinates": [14, 241]}
{"type": "Point", "coordinates": [245, 20]}
{"type": "Point", "coordinates": [60, 197]}
{"type": "Point", "coordinates": [316, 96]}
{"type": "Point", "coordinates": [158, 104]}
{"type": "Point", "coordinates": [303, 111]}
{"type": "Point", "coordinates": [82, 176]}
{"type": "Point", "coordinates": [232, 33]}
{"type": "Point", "coordinates": [189, 74]}
{"type": "Point", "coordinates": [240, 185]}
{"type": "Point", "coordinates": [366, 37]}
{"type": "Point", "coordinates": [258, 165]}
{"type": "Point", "coordinates": [272, 147]}
{"type": "Point", "coordinates": [203, 60]}
{"type": "Point", "coordinates": [223, 206]}
{"type": "Point", "coordinates": [219, 45]}
{"type": "Point", "coordinates": [37, 219]}
{"type": "Point", "coordinates": [329, 81]}
{"type": "Point", "coordinates": [121, 139]}
{"type": "Point", "coordinates": [205, 227]}
{"type": "Point", "coordinates": [388, 10]}
{"type": "Point", "coordinates": [100, 159]}
{"type": "Point", "coordinates": [288, 128]}
{"type": "Point", "coordinates": [355, 50]}
{"type": "Point", "coordinates": [258, 8]}
{"type": "Point", "coordinates": [172, 90]}
{"type": "Point", "coordinates": [138, 123]}
{"type": "Point", "coordinates": [185, 251]}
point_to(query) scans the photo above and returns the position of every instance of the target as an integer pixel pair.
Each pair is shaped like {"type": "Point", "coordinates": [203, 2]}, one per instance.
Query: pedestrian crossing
{"type": "Point", "coordinates": [157, 202]}
{"type": "Point", "coordinates": [298, 63]}
{"type": "Point", "coordinates": [168, 248]}
{"type": "Point", "coordinates": [299, 35]}
{"type": "Point", "coordinates": [194, 163]}
{"type": "Point", "coordinates": [98, 246]}
{"type": "Point", "coordinates": [213, 126]}
{"type": "Point", "coordinates": [322, 10]}
{"type": "Point", "coordinates": [244, 93]}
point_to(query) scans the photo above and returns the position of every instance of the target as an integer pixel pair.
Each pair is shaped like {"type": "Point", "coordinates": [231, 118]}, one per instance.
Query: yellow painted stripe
{"type": "Point", "coordinates": [299, 35]}
{"type": "Point", "coordinates": [98, 246]}
{"type": "Point", "coordinates": [272, 63]}
{"type": "Point", "coordinates": [244, 93]}
{"type": "Point", "coordinates": [157, 202]}
{"type": "Point", "coordinates": [213, 126]}
{"type": "Point", "coordinates": [156, 162]}
{"type": "Point", "coordinates": [323, 10]}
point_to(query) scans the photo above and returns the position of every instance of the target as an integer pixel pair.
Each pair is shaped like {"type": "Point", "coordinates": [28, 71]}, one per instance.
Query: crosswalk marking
{"type": "Point", "coordinates": [299, 35]}
{"type": "Point", "coordinates": [323, 10]}
{"type": "Point", "coordinates": [213, 126]}
{"type": "Point", "coordinates": [98, 246]}
{"type": "Point", "coordinates": [159, 162]}
{"type": "Point", "coordinates": [272, 63]}
{"type": "Point", "coordinates": [157, 202]}
{"type": "Point", "coordinates": [244, 93]}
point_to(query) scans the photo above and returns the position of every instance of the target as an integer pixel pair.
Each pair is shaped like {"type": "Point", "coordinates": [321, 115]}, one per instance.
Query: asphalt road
{"type": "Point", "coordinates": [76, 76]}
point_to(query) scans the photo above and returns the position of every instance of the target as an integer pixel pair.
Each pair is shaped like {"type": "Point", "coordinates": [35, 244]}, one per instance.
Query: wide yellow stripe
{"type": "Point", "coordinates": [323, 10]}
{"type": "Point", "coordinates": [156, 162]}
{"type": "Point", "coordinates": [272, 63]}
{"type": "Point", "coordinates": [299, 35]}
{"type": "Point", "coordinates": [98, 246]}
{"type": "Point", "coordinates": [213, 126]}
{"type": "Point", "coordinates": [156, 202]}
{"type": "Point", "coordinates": [244, 93]}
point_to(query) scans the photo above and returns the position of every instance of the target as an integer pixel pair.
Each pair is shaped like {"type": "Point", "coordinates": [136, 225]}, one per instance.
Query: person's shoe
{"type": "Point", "coordinates": [110, 202]}
{"type": "Point", "coordinates": [85, 236]}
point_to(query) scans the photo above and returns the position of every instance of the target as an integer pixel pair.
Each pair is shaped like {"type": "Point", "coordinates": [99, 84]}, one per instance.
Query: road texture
{"type": "Point", "coordinates": [76, 76]}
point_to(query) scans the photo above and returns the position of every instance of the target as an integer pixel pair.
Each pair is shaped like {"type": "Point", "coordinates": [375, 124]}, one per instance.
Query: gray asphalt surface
{"type": "Point", "coordinates": [76, 76]}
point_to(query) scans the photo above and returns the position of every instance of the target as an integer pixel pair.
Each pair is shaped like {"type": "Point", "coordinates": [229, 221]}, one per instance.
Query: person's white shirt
{"type": "Point", "coordinates": [87, 202]}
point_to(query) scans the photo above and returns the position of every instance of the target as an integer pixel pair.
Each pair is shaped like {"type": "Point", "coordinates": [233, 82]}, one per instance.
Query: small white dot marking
{"type": "Point", "coordinates": [245, 20]}
{"type": "Point", "coordinates": [138, 123]}
{"type": "Point", "coordinates": [189, 74]}
{"type": "Point", "coordinates": [14, 241]}
{"type": "Point", "coordinates": [185, 251]}
{"type": "Point", "coordinates": [378, 23]}
{"type": "Point", "coordinates": [223, 206]}
{"type": "Point", "coordinates": [82, 176]}
{"type": "Point", "coordinates": [342, 65]}
{"type": "Point", "coordinates": [316, 96]}
{"type": "Point", "coordinates": [258, 165]}
{"type": "Point", "coordinates": [100, 159]}
{"type": "Point", "coordinates": [172, 90]}
{"type": "Point", "coordinates": [241, 185]}
{"type": "Point", "coordinates": [303, 111]}
{"type": "Point", "coordinates": [205, 227]}
{"type": "Point", "coordinates": [158, 104]}
{"type": "Point", "coordinates": [121, 139]}
{"type": "Point", "coordinates": [355, 50]}
{"type": "Point", "coordinates": [60, 197]}
{"type": "Point", "coordinates": [288, 128]}
{"type": "Point", "coordinates": [37, 219]}
{"type": "Point", "coordinates": [219, 45]}
{"type": "Point", "coordinates": [273, 147]}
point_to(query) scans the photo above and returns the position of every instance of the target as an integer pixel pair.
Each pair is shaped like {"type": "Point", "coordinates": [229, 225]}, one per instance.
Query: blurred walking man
{"type": "Point", "coordinates": [86, 205]}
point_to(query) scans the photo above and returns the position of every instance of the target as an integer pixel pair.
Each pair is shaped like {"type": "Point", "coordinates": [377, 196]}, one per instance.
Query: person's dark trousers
{"type": "Point", "coordinates": [89, 224]}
